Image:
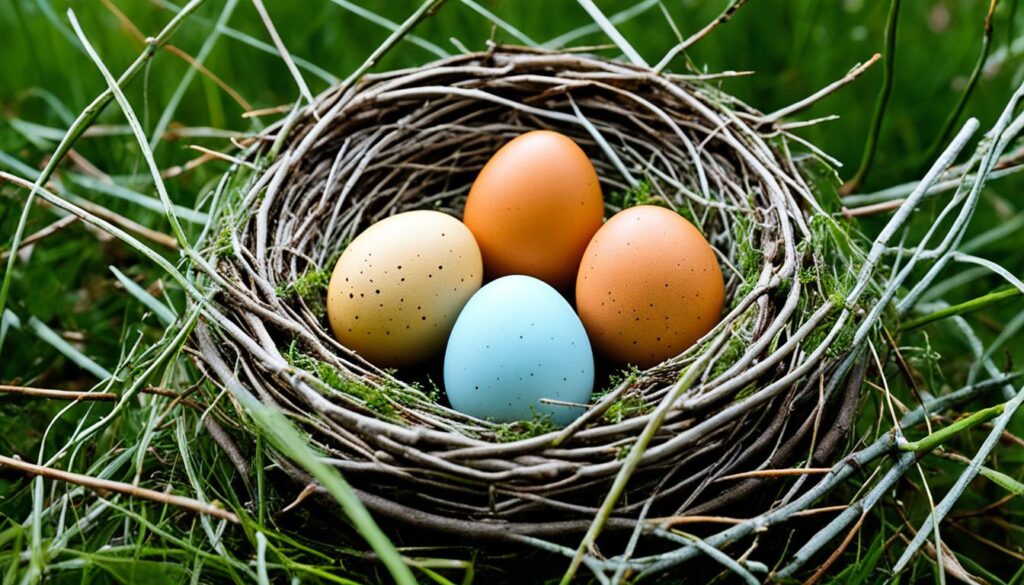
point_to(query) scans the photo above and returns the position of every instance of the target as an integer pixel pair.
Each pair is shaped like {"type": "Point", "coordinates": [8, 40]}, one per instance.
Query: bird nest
{"type": "Point", "coordinates": [774, 384]}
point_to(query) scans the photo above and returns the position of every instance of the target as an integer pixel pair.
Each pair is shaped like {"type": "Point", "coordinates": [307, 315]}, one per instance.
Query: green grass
{"type": "Point", "coordinates": [81, 303]}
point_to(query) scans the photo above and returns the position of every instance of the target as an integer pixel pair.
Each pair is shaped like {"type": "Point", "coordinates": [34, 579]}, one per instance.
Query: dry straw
{"type": "Point", "coordinates": [771, 392]}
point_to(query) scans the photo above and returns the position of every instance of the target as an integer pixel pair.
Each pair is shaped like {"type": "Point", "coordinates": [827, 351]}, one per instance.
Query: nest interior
{"type": "Point", "coordinates": [749, 396]}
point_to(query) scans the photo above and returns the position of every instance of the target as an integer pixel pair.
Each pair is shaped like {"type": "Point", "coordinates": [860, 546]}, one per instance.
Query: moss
{"type": "Point", "coordinates": [842, 342]}
{"type": "Point", "coordinates": [434, 393]}
{"type": "Point", "coordinates": [807, 275]}
{"type": "Point", "coordinates": [525, 429]}
{"type": "Point", "coordinates": [688, 214]}
{"type": "Point", "coordinates": [311, 288]}
{"type": "Point", "coordinates": [222, 245]}
{"type": "Point", "coordinates": [627, 408]}
{"type": "Point", "coordinates": [375, 399]}
{"type": "Point", "coordinates": [732, 352]}
{"type": "Point", "coordinates": [639, 194]}
{"type": "Point", "coordinates": [749, 258]}
{"type": "Point", "coordinates": [745, 392]}
{"type": "Point", "coordinates": [742, 291]}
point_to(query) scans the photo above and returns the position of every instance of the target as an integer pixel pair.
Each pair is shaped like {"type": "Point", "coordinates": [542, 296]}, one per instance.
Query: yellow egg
{"type": "Point", "coordinates": [398, 287]}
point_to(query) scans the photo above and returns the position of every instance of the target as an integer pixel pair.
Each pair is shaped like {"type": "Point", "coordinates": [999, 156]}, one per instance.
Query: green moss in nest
{"type": "Point", "coordinates": [311, 288]}
{"type": "Point", "coordinates": [538, 425]}
{"type": "Point", "coordinates": [749, 258]}
{"type": "Point", "coordinates": [222, 245]}
{"type": "Point", "coordinates": [627, 407]}
{"type": "Point", "coordinates": [733, 351]}
{"type": "Point", "coordinates": [639, 194]}
{"type": "Point", "coordinates": [842, 342]}
{"type": "Point", "coordinates": [375, 399]}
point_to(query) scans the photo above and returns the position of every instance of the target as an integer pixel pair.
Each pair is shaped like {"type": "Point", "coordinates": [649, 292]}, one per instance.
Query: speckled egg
{"type": "Point", "coordinates": [516, 343]}
{"type": "Point", "coordinates": [533, 208]}
{"type": "Point", "coordinates": [398, 287]}
{"type": "Point", "coordinates": [649, 286]}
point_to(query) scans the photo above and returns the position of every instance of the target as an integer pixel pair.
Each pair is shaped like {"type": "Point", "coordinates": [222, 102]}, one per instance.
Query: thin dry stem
{"type": "Point", "coordinates": [106, 485]}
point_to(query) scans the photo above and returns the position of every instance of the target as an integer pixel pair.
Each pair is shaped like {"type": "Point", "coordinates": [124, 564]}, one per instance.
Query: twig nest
{"type": "Point", "coordinates": [759, 390]}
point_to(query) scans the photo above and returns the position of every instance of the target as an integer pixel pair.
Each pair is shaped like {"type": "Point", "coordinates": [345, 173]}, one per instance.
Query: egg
{"type": "Point", "coordinates": [649, 286]}
{"type": "Point", "coordinates": [398, 287]}
{"type": "Point", "coordinates": [517, 342]}
{"type": "Point", "coordinates": [534, 207]}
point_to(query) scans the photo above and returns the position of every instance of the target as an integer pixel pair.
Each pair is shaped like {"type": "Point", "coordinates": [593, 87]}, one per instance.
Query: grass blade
{"type": "Point", "coordinates": [60, 344]}
{"type": "Point", "coordinates": [164, 313]}
{"type": "Point", "coordinates": [612, 32]}
{"type": "Point", "coordinates": [868, 157]}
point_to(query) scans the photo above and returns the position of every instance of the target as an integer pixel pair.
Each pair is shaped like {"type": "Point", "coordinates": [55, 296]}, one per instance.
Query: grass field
{"type": "Point", "coordinates": [70, 319]}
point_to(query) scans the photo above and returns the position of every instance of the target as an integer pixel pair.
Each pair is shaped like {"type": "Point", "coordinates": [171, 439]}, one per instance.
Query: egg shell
{"type": "Point", "coordinates": [649, 286]}
{"type": "Point", "coordinates": [398, 287]}
{"type": "Point", "coordinates": [534, 207]}
{"type": "Point", "coordinates": [518, 341]}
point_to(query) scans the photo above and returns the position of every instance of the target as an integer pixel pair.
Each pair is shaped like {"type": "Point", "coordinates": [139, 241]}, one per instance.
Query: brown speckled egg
{"type": "Point", "coordinates": [534, 207]}
{"type": "Point", "coordinates": [649, 286]}
{"type": "Point", "coordinates": [399, 286]}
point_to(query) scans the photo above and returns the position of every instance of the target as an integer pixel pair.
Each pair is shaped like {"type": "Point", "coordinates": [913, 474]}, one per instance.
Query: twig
{"type": "Point", "coordinates": [986, 509]}
{"type": "Point", "coordinates": [560, 42]}
{"type": "Point", "coordinates": [988, 542]}
{"type": "Point", "coordinates": [196, 63]}
{"type": "Point", "coordinates": [102, 212]}
{"type": "Point", "coordinates": [868, 157]}
{"type": "Point", "coordinates": [873, 209]}
{"type": "Point", "coordinates": [945, 433]}
{"type": "Point", "coordinates": [121, 488]}
{"type": "Point", "coordinates": [502, 24]}
{"type": "Point", "coordinates": [267, 111]}
{"type": "Point", "coordinates": [722, 18]}
{"type": "Point", "coordinates": [832, 558]}
{"type": "Point", "coordinates": [283, 51]}
{"type": "Point", "coordinates": [45, 232]}
{"type": "Point", "coordinates": [427, 7]}
{"type": "Point", "coordinates": [56, 394]}
{"type": "Point", "coordinates": [136, 127]}
{"type": "Point", "coordinates": [632, 462]}
{"type": "Point", "coordinates": [223, 156]}
{"type": "Point", "coordinates": [776, 473]}
{"type": "Point", "coordinates": [179, 92]}
{"type": "Point", "coordinates": [823, 92]}
{"type": "Point", "coordinates": [390, 25]}
{"type": "Point", "coordinates": [728, 562]}
{"type": "Point", "coordinates": [670, 521]}
{"type": "Point", "coordinates": [821, 510]}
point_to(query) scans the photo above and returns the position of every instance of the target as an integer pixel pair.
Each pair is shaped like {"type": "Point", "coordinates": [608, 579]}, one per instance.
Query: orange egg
{"type": "Point", "coordinates": [534, 208]}
{"type": "Point", "coordinates": [649, 286]}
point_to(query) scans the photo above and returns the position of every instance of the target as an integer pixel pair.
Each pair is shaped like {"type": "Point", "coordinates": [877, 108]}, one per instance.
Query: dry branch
{"type": "Point", "coordinates": [106, 485]}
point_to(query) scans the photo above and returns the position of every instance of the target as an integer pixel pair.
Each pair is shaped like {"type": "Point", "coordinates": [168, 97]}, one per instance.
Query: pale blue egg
{"type": "Point", "coordinates": [516, 342]}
